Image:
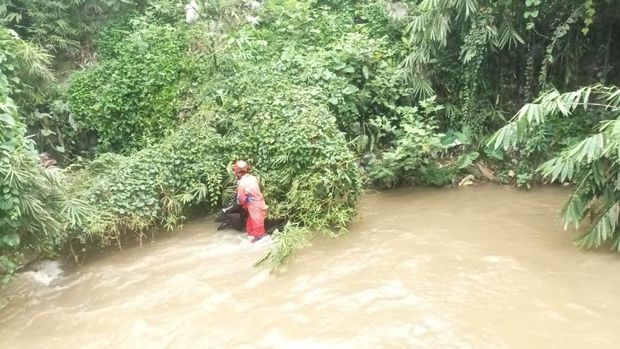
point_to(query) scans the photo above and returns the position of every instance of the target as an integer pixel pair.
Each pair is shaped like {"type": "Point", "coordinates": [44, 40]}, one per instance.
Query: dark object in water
{"type": "Point", "coordinates": [233, 215]}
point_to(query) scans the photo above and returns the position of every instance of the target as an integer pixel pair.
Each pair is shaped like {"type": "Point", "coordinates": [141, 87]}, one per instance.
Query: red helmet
{"type": "Point", "coordinates": [241, 167]}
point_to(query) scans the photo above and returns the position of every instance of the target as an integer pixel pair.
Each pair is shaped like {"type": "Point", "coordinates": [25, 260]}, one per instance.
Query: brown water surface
{"type": "Point", "coordinates": [482, 267]}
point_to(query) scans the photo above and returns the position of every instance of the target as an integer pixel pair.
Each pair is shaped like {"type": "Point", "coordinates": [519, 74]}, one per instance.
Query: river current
{"type": "Point", "coordinates": [477, 267]}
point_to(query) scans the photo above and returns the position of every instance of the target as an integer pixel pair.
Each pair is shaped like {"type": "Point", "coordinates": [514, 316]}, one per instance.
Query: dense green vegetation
{"type": "Point", "coordinates": [146, 112]}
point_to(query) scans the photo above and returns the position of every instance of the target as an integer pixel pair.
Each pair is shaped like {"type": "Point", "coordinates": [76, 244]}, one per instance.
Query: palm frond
{"type": "Point", "coordinates": [554, 102]}
{"type": "Point", "coordinates": [603, 229]}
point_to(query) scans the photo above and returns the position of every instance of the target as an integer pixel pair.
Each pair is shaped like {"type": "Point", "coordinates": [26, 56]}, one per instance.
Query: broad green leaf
{"type": "Point", "coordinates": [7, 119]}
{"type": "Point", "coordinates": [602, 230]}
{"type": "Point", "coordinates": [573, 211]}
{"type": "Point", "coordinates": [496, 153]}
{"type": "Point", "coordinates": [568, 169]}
{"type": "Point", "coordinates": [350, 89]}
{"type": "Point", "coordinates": [466, 160]}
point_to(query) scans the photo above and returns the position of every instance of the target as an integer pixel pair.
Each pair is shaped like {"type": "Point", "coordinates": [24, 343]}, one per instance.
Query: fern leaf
{"type": "Point", "coordinates": [574, 210]}
{"type": "Point", "coordinates": [586, 97]}
{"type": "Point", "coordinates": [589, 149]}
{"type": "Point", "coordinates": [614, 98]}
{"type": "Point", "coordinates": [567, 171]}
{"type": "Point", "coordinates": [603, 229]}
{"type": "Point", "coordinates": [506, 138]}
{"type": "Point", "coordinates": [532, 113]}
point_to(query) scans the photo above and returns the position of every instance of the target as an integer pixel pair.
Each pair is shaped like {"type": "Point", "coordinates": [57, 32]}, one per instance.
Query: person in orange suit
{"type": "Point", "coordinates": [250, 197]}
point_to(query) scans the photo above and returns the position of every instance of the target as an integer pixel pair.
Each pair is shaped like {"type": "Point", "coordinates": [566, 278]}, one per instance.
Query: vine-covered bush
{"type": "Point", "coordinates": [355, 66]}
{"type": "Point", "coordinates": [296, 145]}
{"type": "Point", "coordinates": [311, 177]}
{"type": "Point", "coordinates": [135, 94]}
{"type": "Point", "coordinates": [151, 188]}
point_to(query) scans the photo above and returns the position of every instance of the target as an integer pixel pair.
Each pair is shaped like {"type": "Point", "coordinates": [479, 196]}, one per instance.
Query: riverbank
{"type": "Point", "coordinates": [70, 261]}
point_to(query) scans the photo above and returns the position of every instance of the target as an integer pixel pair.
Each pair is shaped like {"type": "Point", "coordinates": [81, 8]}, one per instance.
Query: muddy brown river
{"type": "Point", "coordinates": [479, 267]}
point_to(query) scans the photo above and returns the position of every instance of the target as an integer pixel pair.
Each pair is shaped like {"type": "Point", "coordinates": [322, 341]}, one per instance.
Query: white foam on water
{"type": "Point", "coordinates": [45, 272]}
{"type": "Point", "coordinates": [275, 338]}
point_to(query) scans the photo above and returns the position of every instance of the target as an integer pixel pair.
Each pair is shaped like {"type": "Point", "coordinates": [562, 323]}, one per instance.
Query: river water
{"type": "Point", "coordinates": [479, 267]}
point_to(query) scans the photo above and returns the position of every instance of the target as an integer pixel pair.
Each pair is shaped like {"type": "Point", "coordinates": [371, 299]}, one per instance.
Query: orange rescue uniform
{"type": "Point", "coordinates": [251, 198]}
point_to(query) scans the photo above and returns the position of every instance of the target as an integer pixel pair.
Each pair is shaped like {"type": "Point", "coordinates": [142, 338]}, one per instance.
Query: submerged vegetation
{"type": "Point", "coordinates": [145, 108]}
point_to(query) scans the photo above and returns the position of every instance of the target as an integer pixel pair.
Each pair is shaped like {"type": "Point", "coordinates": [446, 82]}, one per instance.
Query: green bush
{"type": "Point", "coordinates": [136, 94]}
{"type": "Point", "coordinates": [35, 208]}
{"type": "Point", "coordinates": [354, 67]}
{"type": "Point", "coordinates": [436, 174]}
{"type": "Point", "coordinates": [416, 145]}
{"type": "Point", "coordinates": [311, 177]}
{"type": "Point", "coordinates": [60, 26]}
{"type": "Point", "coordinates": [31, 217]}
{"type": "Point", "coordinates": [295, 145]}
{"type": "Point", "coordinates": [151, 188]}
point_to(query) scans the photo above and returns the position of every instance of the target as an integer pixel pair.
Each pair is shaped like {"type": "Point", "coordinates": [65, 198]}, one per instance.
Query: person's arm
{"type": "Point", "coordinates": [241, 195]}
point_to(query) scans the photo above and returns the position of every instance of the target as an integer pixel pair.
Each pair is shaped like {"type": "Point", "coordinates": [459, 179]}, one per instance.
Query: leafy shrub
{"type": "Point", "coordinates": [545, 142]}
{"type": "Point", "coordinates": [436, 174]}
{"type": "Point", "coordinates": [27, 70]}
{"type": "Point", "coordinates": [59, 26]}
{"type": "Point", "coordinates": [415, 145]}
{"type": "Point", "coordinates": [137, 94]}
{"type": "Point", "coordinates": [355, 68]}
{"type": "Point", "coordinates": [311, 177]}
{"type": "Point", "coordinates": [34, 207]}
{"type": "Point", "coordinates": [297, 149]}
{"type": "Point", "coordinates": [30, 215]}
{"type": "Point", "coordinates": [150, 188]}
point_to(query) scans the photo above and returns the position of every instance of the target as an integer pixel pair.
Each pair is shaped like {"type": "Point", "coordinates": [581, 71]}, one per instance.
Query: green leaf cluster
{"type": "Point", "coordinates": [592, 163]}
{"type": "Point", "coordinates": [136, 95]}
{"type": "Point", "coordinates": [35, 207]}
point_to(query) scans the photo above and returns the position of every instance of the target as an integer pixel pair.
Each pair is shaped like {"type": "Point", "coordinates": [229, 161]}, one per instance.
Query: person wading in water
{"type": "Point", "coordinates": [250, 197]}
